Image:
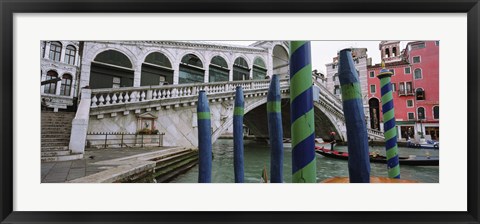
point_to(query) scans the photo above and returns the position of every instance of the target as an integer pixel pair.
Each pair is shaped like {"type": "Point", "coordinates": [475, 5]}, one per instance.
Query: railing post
{"type": "Point", "coordinates": [121, 143]}
{"type": "Point", "coordinates": [142, 140]}
{"type": "Point", "coordinates": [106, 136]}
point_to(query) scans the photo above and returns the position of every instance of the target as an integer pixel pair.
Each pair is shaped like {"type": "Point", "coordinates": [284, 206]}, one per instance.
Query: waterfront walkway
{"type": "Point", "coordinates": [64, 171]}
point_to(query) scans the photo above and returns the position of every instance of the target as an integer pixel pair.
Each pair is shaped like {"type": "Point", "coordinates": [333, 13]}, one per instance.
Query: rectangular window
{"type": "Point", "coordinates": [411, 116]}
{"type": "Point", "coordinates": [394, 87]}
{"type": "Point", "coordinates": [418, 46]}
{"type": "Point", "coordinates": [437, 43]}
{"type": "Point", "coordinates": [416, 59]}
{"type": "Point", "coordinates": [402, 89]}
{"type": "Point", "coordinates": [409, 103]}
{"type": "Point", "coordinates": [372, 74]}
{"type": "Point", "coordinates": [392, 71]}
{"type": "Point", "coordinates": [407, 70]}
{"type": "Point", "coordinates": [409, 88]}
{"type": "Point", "coordinates": [373, 89]}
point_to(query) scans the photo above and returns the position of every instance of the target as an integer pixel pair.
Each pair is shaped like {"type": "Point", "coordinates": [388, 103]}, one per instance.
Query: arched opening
{"type": "Point", "coordinates": [156, 70]}
{"type": "Point", "coordinates": [218, 70]}
{"type": "Point", "coordinates": [70, 55]}
{"type": "Point", "coordinates": [191, 70]}
{"type": "Point", "coordinates": [50, 88]}
{"type": "Point", "coordinates": [387, 53]}
{"type": "Point", "coordinates": [420, 94]}
{"type": "Point", "coordinates": [418, 73]}
{"type": "Point", "coordinates": [436, 112]}
{"type": "Point", "coordinates": [280, 61]}
{"type": "Point", "coordinates": [111, 69]}
{"type": "Point", "coordinates": [374, 106]}
{"type": "Point", "coordinates": [394, 52]}
{"type": "Point", "coordinates": [66, 86]}
{"type": "Point", "coordinates": [55, 51]}
{"type": "Point", "coordinates": [241, 71]}
{"type": "Point", "coordinates": [259, 69]}
{"type": "Point", "coordinates": [421, 113]}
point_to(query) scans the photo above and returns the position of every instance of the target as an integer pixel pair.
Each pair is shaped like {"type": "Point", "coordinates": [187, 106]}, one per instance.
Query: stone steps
{"type": "Point", "coordinates": [169, 167]}
{"type": "Point", "coordinates": [55, 144]}
{"type": "Point", "coordinates": [55, 136]}
{"type": "Point", "coordinates": [67, 140]}
{"type": "Point", "coordinates": [54, 148]}
{"type": "Point", "coordinates": [55, 153]}
{"type": "Point", "coordinates": [62, 158]}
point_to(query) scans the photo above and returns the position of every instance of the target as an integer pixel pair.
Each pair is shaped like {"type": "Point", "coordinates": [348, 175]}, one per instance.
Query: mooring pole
{"type": "Point", "coordinates": [204, 139]}
{"type": "Point", "coordinates": [238, 112]}
{"type": "Point", "coordinates": [275, 130]}
{"type": "Point", "coordinates": [357, 137]}
{"type": "Point", "coordinates": [302, 116]}
{"type": "Point", "coordinates": [390, 130]}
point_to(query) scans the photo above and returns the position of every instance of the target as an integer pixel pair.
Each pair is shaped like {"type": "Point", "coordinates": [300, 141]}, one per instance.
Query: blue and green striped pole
{"type": "Point", "coordinates": [302, 116]}
{"type": "Point", "coordinates": [238, 112]}
{"type": "Point", "coordinates": [204, 139]}
{"type": "Point", "coordinates": [390, 130]}
{"type": "Point", "coordinates": [357, 137]}
{"type": "Point", "coordinates": [275, 130]}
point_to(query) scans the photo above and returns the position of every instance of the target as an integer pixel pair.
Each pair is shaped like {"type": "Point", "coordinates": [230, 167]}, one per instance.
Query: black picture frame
{"type": "Point", "coordinates": [9, 7]}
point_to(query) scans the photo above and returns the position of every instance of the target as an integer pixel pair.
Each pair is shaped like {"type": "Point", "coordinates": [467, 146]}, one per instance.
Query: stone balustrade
{"type": "Point", "coordinates": [130, 95]}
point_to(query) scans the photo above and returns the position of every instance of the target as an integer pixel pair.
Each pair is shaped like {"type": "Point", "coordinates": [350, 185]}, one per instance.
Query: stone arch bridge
{"type": "Point", "coordinates": [172, 109]}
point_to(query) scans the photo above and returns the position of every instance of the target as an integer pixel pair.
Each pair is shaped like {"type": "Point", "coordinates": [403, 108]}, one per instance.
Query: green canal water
{"type": "Point", "coordinates": [257, 155]}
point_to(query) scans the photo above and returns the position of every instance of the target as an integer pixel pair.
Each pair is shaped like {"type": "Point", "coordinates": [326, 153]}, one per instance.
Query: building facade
{"type": "Point", "coordinates": [60, 61]}
{"type": "Point", "coordinates": [415, 86]}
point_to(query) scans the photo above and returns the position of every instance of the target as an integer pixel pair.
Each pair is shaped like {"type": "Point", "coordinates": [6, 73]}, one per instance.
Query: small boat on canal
{"type": "Point", "coordinates": [376, 158]}
{"type": "Point", "coordinates": [429, 144]}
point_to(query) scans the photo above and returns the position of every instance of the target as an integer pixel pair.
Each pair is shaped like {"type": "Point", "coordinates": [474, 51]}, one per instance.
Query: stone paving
{"type": "Point", "coordinates": [63, 171]}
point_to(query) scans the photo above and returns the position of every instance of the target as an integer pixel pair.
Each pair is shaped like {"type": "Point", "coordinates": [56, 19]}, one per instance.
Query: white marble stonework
{"type": "Point", "coordinates": [137, 51]}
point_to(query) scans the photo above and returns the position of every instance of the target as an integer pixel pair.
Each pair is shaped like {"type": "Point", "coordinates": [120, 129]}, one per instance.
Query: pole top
{"type": "Point", "coordinates": [384, 72]}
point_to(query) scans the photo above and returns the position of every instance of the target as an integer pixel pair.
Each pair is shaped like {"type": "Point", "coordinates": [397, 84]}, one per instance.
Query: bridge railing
{"type": "Point", "coordinates": [129, 95]}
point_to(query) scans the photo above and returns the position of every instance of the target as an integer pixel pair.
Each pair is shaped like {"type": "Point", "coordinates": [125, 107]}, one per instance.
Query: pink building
{"type": "Point", "coordinates": [415, 86]}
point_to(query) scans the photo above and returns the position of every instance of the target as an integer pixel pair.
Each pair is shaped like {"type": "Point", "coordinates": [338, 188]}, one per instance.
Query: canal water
{"type": "Point", "coordinates": [257, 155]}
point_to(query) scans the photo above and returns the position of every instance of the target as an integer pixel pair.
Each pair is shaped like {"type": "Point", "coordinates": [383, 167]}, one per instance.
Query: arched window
{"type": "Point", "coordinates": [66, 86]}
{"type": "Point", "coordinates": [70, 55]}
{"type": "Point", "coordinates": [218, 70]}
{"type": "Point", "coordinates": [111, 69]}
{"type": "Point", "coordinates": [55, 51]}
{"type": "Point", "coordinates": [241, 71]}
{"type": "Point", "coordinates": [259, 69]}
{"type": "Point", "coordinates": [394, 52]}
{"type": "Point", "coordinates": [50, 88]}
{"type": "Point", "coordinates": [421, 113]}
{"type": "Point", "coordinates": [113, 57]}
{"type": "Point", "coordinates": [436, 112]}
{"type": "Point", "coordinates": [387, 53]}
{"type": "Point", "coordinates": [420, 94]}
{"type": "Point", "coordinates": [418, 73]}
{"type": "Point", "coordinates": [156, 70]}
{"type": "Point", "coordinates": [191, 69]}
{"type": "Point", "coordinates": [335, 77]}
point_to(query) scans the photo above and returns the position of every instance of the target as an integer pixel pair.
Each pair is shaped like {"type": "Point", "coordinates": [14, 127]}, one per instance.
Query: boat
{"type": "Point", "coordinates": [376, 158]}
{"type": "Point", "coordinates": [429, 144]}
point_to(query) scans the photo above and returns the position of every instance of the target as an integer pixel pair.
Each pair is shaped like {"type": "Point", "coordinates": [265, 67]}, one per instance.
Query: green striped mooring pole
{"type": "Point", "coordinates": [389, 128]}
{"type": "Point", "coordinates": [302, 116]}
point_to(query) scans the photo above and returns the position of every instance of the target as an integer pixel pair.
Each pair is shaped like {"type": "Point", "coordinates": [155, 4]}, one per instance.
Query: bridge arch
{"type": "Point", "coordinates": [324, 121]}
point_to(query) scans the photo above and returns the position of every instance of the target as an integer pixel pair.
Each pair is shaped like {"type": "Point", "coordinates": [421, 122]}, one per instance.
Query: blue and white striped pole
{"type": "Point", "coordinates": [204, 139]}
{"type": "Point", "coordinates": [238, 112]}
{"type": "Point", "coordinates": [275, 130]}
{"type": "Point", "coordinates": [302, 116]}
{"type": "Point", "coordinates": [357, 137]}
